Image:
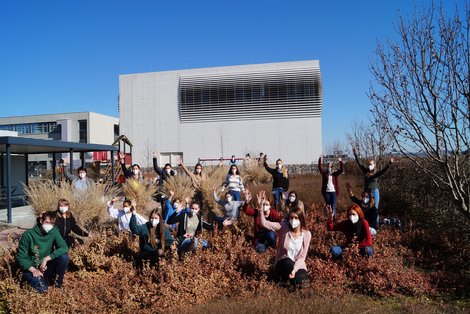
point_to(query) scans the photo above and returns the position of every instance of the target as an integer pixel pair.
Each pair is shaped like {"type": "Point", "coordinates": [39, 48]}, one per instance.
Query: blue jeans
{"type": "Point", "coordinates": [376, 195]}
{"type": "Point", "coordinates": [277, 192]}
{"type": "Point", "coordinates": [265, 240]}
{"type": "Point", "coordinates": [55, 268]}
{"type": "Point", "coordinates": [187, 244]}
{"type": "Point", "coordinates": [330, 199]}
{"type": "Point", "coordinates": [337, 251]}
{"type": "Point", "coordinates": [235, 195]}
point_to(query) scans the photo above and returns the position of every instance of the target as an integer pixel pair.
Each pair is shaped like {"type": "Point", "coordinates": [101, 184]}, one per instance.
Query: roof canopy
{"type": "Point", "coordinates": [23, 145]}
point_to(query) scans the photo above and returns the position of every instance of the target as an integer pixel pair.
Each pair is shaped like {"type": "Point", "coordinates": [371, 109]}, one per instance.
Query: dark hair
{"type": "Point", "coordinates": [247, 155]}
{"type": "Point", "coordinates": [161, 229]}
{"type": "Point", "coordinates": [236, 172]}
{"type": "Point", "coordinates": [301, 214]}
{"type": "Point", "coordinates": [233, 156]}
{"type": "Point", "coordinates": [296, 202]}
{"type": "Point", "coordinates": [81, 169]}
{"type": "Point", "coordinates": [198, 164]}
{"type": "Point", "coordinates": [52, 215]}
{"type": "Point", "coordinates": [135, 165]}
{"type": "Point", "coordinates": [167, 164]}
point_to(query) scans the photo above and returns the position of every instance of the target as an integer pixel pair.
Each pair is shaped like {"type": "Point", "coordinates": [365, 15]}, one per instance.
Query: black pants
{"type": "Point", "coordinates": [283, 269]}
{"type": "Point", "coordinates": [151, 256]}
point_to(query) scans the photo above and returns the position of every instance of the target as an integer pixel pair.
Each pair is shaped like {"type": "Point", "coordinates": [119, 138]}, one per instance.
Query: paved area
{"type": "Point", "coordinates": [23, 218]}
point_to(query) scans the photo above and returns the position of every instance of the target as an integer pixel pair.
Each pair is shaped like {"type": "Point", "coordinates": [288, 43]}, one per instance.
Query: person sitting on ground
{"type": "Point", "coordinates": [66, 223]}
{"type": "Point", "coordinates": [80, 182]}
{"type": "Point", "coordinates": [234, 183]}
{"type": "Point", "coordinates": [292, 246]}
{"type": "Point", "coordinates": [263, 238]}
{"type": "Point", "coordinates": [190, 225]}
{"type": "Point", "coordinates": [330, 187]}
{"type": "Point", "coordinates": [42, 254]}
{"type": "Point", "coordinates": [280, 178]}
{"type": "Point", "coordinates": [356, 230]}
{"type": "Point", "coordinates": [367, 204]}
{"type": "Point", "coordinates": [154, 237]}
{"type": "Point", "coordinates": [288, 203]}
{"type": "Point", "coordinates": [134, 172]}
{"type": "Point", "coordinates": [124, 215]}
{"type": "Point", "coordinates": [230, 208]}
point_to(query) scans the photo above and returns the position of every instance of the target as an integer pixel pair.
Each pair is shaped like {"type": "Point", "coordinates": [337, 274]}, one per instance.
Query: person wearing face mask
{"type": "Point", "coordinates": [263, 238]}
{"type": "Point", "coordinates": [66, 223]}
{"type": "Point", "coordinates": [356, 230]}
{"type": "Point", "coordinates": [124, 215]}
{"type": "Point", "coordinates": [371, 176]}
{"type": "Point", "coordinates": [367, 203]}
{"type": "Point", "coordinates": [230, 208]}
{"type": "Point", "coordinates": [330, 186]}
{"type": "Point", "coordinates": [42, 254]}
{"type": "Point", "coordinates": [164, 173]}
{"type": "Point", "coordinates": [280, 178]}
{"type": "Point", "coordinates": [292, 246]}
{"type": "Point", "coordinates": [234, 183]}
{"type": "Point", "coordinates": [288, 203]}
{"type": "Point", "coordinates": [174, 205]}
{"type": "Point", "coordinates": [134, 172]}
{"type": "Point", "coordinates": [80, 182]}
{"type": "Point", "coordinates": [154, 238]}
{"type": "Point", "coordinates": [190, 226]}
{"type": "Point", "coordinates": [197, 178]}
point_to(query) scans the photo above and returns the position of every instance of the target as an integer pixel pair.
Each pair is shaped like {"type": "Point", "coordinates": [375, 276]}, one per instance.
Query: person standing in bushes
{"type": "Point", "coordinates": [197, 178]}
{"type": "Point", "coordinates": [367, 204]}
{"type": "Point", "coordinates": [164, 175]}
{"type": "Point", "coordinates": [280, 178]}
{"type": "Point", "coordinates": [190, 225]}
{"type": "Point", "coordinates": [356, 230]}
{"type": "Point", "coordinates": [234, 183]}
{"type": "Point", "coordinates": [124, 215]}
{"type": "Point", "coordinates": [330, 187]}
{"type": "Point", "coordinates": [288, 203]}
{"type": "Point", "coordinates": [66, 223]}
{"type": "Point", "coordinates": [134, 172]}
{"type": "Point", "coordinates": [154, 237]}
{"type": "Point", "coordinates": [292, 246]}
{"type": "Point", "coordinates": [230, 208]}
{"type": "Point", "coordinates": [371, 176]}
{"type": "Point", "coordinates": [80, 182]}
{"type": "Point", "coordinates": [42, 254]}
{"type": "Point", "coordinates": [263, 238]}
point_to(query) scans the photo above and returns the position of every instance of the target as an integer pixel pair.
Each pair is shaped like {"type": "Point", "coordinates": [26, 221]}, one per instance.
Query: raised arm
{"type": "Point", "coordinates": [68, 175]}
{"type": "Point", "coordinates": [384, 169]}
{"type": "Point", "coordinates": [76, 228]}
{"type": "Point", "coordinates": [363, 168]}
{"type": "Point", "coordinates": [269, 225]}
{"type": "Point", "coordinates": [157, 169]}
{"type": "Point", "coordinates": [113, 212]}
{"type": "Point", "coordinates": [320, 162]}
{"type": "Point", "coordinates": [341, 168]}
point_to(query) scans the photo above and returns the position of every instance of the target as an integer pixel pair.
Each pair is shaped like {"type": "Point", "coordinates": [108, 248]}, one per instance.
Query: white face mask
{"type": "Point", "coordinates": [195, 211]}
{"type": "Point", "coordinates": [294, 223]}
{"type": "Point", "coordinates": [229, 199]}
{"type": "Point", "coordinates": [47, 227]}
{"type": "Point", "coordinates": [168, 171]}
{"type": "Point", "coordinates": [155, 221]}
{"type": "Point", "coordinates": [292, 199]}
{"type": "Point", "coordinates": [266, 207]}
{"type": "Point", "coordinates": [279, 167]}
{"type": "Point", "coordinates": [198, 170]}
{"type": "Point", "coordinates": [63, 209]}
{"type": "Point", "coordinates": [234, 171]}
{"type": "Point", "coordinates": [136, 171]}
{"type": "Point", "coordinates": [371, 167]}
{"type": "Point", "coordinates": [366, 200]}
{"type": "Point", "coordinates": [127, 209]}
{"type": "Point", "coordinates": [82, 175]}
{"type": "Point", "coordinates": [354, 218]}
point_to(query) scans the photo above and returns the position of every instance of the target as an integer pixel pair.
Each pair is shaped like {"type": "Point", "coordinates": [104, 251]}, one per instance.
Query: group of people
{"type": "Point", "coordinates": [42, 250]}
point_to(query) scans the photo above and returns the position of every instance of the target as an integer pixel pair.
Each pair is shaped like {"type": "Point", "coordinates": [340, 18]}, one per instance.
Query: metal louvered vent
{"type": "Point", "coordinates": [280, 94]}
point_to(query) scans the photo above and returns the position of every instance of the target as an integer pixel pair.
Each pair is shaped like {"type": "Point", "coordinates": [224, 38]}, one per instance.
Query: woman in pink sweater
{"type": "Point", "coordinates": [292, 246]}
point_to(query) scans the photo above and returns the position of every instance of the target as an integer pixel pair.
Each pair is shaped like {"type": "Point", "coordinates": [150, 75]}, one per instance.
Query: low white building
{"type": "Point", "coordinates": [272, 108]}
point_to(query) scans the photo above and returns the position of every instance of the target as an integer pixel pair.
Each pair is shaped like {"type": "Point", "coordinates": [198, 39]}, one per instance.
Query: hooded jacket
{"type": "Point", "coordinates": [35, 245]}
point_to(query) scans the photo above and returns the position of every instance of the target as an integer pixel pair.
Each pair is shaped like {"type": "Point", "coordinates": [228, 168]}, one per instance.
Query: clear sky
{"type": "Point", "coordinates": [63, 56]}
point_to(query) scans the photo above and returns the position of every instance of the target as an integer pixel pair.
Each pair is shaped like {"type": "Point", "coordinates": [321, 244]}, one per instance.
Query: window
{"type": "Point", "coordinates": [82, 131]}
{"type": "Point", "coordinates": [31, 128]}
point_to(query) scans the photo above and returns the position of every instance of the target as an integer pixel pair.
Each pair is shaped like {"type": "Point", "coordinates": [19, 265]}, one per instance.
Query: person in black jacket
{"type": "Point", "coordinates": [280, 178]}
{"type": "Point", "coordinates": [190, 225]}
{"type": "Point", "coordinates": [367, 203]}
{"type": "Point", "coordinates": [134, 172]}
{"type": "Point", "coordinates": [67, 223]}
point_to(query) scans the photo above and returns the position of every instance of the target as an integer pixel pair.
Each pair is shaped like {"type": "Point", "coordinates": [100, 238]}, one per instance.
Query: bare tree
{"type": "Point", "coordinates": [422, 96]}
{"type": "Point", "coordinates": [146, 160]}
{"type": "Point", "coordinates": [336, 148]}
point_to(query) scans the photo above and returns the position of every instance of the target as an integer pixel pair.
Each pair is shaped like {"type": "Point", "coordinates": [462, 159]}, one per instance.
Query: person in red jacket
{"type": "Point", "coordinates": [356, 230]}
{"type": "Point", "coordinates": [330, 187]}
{"type": "Point", "coordinates": [263, 238]}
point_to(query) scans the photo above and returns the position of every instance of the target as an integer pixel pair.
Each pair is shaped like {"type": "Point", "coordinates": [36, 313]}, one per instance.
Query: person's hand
{"type": "Point", "coordinates": [37, 273]}
{"type": "Point", "coordinates": [155, 154]}
{"type": "Point", "coordinates": [187, 199]}
{"type": "Point", "coordinates": [284, 196]}
{"type": "Point", "coordinates": [265, 157]}
{"type": "Point", "coordinates": [340, 160]}
{"type": "Point", "coordinates": [227, 222]}
{"type": "Point", "coordinates": [122, 156]}
{"type": "Point", "coordinates": [248, 196]}
{"type": "Point", "coordinates": [261, 196]}
{"type": "Point", "coordinates": [292, 274]}
{"type": "Point", "coordinates": [329, 211]}
{"type": "Point", "coordinates": [392, 160]}
{"type": "Point", "coordinates": [172, 193]}
{"type": "Point", "coordinates": [43, 265]}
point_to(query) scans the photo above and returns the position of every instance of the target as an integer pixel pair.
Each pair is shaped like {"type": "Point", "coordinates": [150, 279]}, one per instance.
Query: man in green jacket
{"type": "Point", "coordinates": [42, 254]}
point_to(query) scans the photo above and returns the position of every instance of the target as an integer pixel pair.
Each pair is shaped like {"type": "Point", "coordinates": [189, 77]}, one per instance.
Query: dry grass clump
{"type": "Point", "coordinates": [88, 207]}
{"type": "Point", "coordinates": [256, 174]}
{"type": "Point", "coordinates": [215, 178]}
{"type": "Point", "coordinates": [142, 192]}
{"type": "Point", "coordinates": [180, 185]}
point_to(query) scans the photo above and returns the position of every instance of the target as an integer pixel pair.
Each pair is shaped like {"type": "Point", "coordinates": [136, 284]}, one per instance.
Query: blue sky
{"type": "Point", "coordinates": [61, 56]}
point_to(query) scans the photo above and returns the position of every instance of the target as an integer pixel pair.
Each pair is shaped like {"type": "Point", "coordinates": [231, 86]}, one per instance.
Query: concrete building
{"type": "Point", "coordinates": [82, 127]}
{"type": "Point", "coordinates": [273, 108]}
